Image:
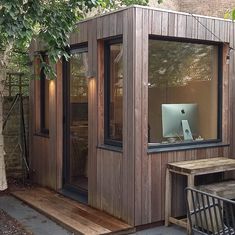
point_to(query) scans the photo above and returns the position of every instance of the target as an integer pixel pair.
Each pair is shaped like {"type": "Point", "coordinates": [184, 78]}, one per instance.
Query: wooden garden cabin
{"type": "Point", "coordinates": [99, 128]}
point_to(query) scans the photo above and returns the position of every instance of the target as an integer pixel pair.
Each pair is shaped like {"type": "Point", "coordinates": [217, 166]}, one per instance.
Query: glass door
{"type": "Point", "coordinates": [76, 124]}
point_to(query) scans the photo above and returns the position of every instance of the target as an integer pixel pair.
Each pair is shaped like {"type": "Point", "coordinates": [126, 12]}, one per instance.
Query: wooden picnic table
{"type": "Point", "coordinates": [191, 169]}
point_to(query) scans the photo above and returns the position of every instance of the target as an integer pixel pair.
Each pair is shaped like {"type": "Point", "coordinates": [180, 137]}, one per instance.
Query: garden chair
{"type": "Point", "coordinates": [209, 214]}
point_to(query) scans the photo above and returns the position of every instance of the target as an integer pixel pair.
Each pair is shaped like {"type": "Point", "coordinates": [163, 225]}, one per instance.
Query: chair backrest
{"type": "Point", "coordinates": [210, 214]}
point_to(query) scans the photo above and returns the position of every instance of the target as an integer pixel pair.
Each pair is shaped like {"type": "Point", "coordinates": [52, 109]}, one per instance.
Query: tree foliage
{"type": "Point", "coordinates": [48, 20]}
{"type": "Point", "coordinates": [230, 14]}
{"type": "Point", "coordinates": [176, 63]}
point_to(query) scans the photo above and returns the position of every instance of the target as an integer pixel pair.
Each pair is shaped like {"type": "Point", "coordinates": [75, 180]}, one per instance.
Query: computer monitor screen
{"type": "Point", "coordinates": [172, 116]}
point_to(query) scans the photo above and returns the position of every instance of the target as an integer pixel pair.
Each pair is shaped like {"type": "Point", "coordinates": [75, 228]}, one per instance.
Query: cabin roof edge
{"type": "Point", "coordinates": [154, 9]}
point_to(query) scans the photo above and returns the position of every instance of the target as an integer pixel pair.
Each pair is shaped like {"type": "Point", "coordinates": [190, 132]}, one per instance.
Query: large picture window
{"type": "Point", "coordinates": [183, 92]}
{"type": "Point", "coordinates": [113, 91]}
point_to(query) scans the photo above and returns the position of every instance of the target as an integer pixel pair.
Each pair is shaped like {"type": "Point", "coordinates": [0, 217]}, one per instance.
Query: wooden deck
{"type": "Point", "coordinates": [74, 216]}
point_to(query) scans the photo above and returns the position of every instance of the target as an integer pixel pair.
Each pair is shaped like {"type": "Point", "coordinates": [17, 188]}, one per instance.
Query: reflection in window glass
{"type": "Point", "coordinates": [45, 104]}
{"type": "Point", "coordinates": [79, 70]}
{"type": "Point", "coordinates": [78, 132]}
{"type": "Point", "coordinates": [114, 95]}
{"type": "Point", "coordinates": [183, 85]}
{"type": "Point", "coordinates": [44, 99]}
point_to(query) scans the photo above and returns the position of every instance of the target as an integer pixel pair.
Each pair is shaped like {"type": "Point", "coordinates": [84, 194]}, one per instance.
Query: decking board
{"type": "Point", "coordinates": [72, 215]}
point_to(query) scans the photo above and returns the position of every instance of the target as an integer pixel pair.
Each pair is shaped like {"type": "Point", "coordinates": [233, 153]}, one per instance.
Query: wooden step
{"type": "Point", "coordinates": [74, 216]}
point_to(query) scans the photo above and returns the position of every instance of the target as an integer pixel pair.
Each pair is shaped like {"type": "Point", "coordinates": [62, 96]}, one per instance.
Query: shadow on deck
{"type": "Point", "coordinates": [72, 215]}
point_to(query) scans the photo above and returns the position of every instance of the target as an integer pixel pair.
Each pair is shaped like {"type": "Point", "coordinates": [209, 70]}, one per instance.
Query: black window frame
{"type": "Point", "coordinates": [156, 147]}
{"type": "Point", "coordinates": [107, 139]}
{"type": "Point", "coordinates": [43, 78]}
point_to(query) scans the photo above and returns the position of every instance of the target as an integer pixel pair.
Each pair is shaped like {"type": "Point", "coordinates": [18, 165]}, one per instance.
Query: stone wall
{"type": "Point", "coordinates": [11, 133]}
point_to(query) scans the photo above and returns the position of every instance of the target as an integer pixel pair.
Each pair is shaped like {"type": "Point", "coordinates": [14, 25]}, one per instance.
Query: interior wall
{"type": "Point", "coordinates": [203, 93]}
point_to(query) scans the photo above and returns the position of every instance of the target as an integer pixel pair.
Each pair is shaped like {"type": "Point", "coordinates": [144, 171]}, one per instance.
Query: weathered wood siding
{"type": "Point", "coordinates": [111, 174]}
{"type": "Point", "coordinates": [150, 168]}
{"type": "Point", "coordinates": [129, 184]}
{"type": "Point", "coordinates": [46, 150]}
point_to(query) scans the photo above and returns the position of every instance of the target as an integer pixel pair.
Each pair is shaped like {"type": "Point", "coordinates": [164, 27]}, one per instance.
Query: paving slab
{"type": "Point", "coordinates": [29, 218]}
{"type": "Point", "coordinates": [41, 225]}
{"type": "Point", "coordinates": [162, 230]}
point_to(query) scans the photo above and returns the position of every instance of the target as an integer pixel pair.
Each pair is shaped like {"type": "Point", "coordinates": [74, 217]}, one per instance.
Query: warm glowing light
{"type": "Point", "coordinates": [52, 87]}
{"type": "Point", "coordinates": [91, 85]}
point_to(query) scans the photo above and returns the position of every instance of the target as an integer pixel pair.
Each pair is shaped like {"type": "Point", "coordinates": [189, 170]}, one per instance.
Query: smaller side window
{"type": "Point", "coordinates": [42, 109]}
{"type": "Point", "coordinates": [44, 99]}
{"type": "Point", "coordinates": [113, 62]}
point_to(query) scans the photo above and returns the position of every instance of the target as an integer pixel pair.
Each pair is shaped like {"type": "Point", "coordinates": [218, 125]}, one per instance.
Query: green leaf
{"type": "Point", "coordinates": [227, 15]}
{"type": "Point", "coordinates": [233, 14]}
{"type": "Point", "coordinates": [51, 21]}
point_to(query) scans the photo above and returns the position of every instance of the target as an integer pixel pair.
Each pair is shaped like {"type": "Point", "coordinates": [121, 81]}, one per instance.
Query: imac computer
{"type": "Point", "coordinates": [179, 120]}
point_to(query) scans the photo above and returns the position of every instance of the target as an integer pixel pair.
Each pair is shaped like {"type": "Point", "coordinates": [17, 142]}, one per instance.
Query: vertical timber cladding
{"type": "Point", "coordinates": [150, 168]}
{"type": "Point", "coordinates": [131, 184]}
{"type": "Point", "coordinates": [41, 156]}
{"type": "Point", "coordinates": [111, 174]}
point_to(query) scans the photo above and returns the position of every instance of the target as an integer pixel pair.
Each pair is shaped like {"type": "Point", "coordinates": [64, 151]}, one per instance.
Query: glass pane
{"type": "Point", "coordinates": [78, 120]}
{"type": "Point", "coordinates": [44, 89]}
{"type": "Point", "coordinates": [183, 85]}
{"type": "Point", "coordinates": [46, 104]}
{"type": "Point", "coordinates": [116, 92]}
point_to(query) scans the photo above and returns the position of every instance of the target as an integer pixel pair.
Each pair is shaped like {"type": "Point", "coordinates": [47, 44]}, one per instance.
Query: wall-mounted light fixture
{"type": "Point", "coordinates": [90, 75]}
{"type": "Point", "coordinates": [228, 55]}
{"type": "Point", "coordinates": [228, 58]}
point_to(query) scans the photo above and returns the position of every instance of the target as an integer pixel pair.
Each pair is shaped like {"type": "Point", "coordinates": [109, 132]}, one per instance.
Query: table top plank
{"type": "Point", "coordinates": [203, 166]}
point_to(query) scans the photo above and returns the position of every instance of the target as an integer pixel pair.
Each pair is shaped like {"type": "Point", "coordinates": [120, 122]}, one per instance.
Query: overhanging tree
{"type": "Point", "coordinates": [48, 20]}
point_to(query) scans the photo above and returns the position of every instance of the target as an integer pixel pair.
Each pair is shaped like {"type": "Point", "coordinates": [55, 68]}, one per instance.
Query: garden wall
{"type": "Point", "coordinates": [215, 8]}
{"type": "Point", "coordinates": [11, 133]}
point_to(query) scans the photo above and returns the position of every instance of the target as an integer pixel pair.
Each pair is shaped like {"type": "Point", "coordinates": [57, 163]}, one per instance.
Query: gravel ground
{"type": "Point", "coordinates": [9, 226]}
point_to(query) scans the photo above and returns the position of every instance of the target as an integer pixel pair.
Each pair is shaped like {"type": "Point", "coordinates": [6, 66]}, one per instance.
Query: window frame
{"type": "Point", "coordinates": [107, 43]}
{"type": "Point", "coordinates": [156, 147]}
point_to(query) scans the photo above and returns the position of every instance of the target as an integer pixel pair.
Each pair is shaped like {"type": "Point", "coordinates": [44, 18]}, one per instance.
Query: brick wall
{"type": "Point", "coordinates": [11, 133]}
{"type": "Point", "coordinates": [215, 8]}
{"type": "Point", "coordinates": [167, 4]}
{"type": "Point", "coordinates": [206, 7]}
